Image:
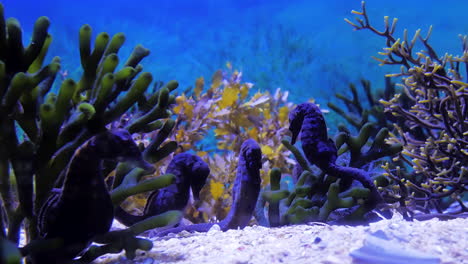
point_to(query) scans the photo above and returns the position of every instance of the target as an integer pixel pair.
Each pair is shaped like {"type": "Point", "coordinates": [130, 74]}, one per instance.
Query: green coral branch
{"type": "Point", "coordinates": [355, 144]}
{"type": "Point", "coordinates": [296, 153]}
{"type": "Point", "coordinates": [116, 241]}
{"type": "Point", "coordinates": [306, 176]}
{"type": "Point", "coordinates": [52, 126]}
{"type": "Point", "coordinates": [334, 202]}
{"type": "Point", "coordinates": [130, 186]}
{"type": "Point", "coordinates": [274, 196]}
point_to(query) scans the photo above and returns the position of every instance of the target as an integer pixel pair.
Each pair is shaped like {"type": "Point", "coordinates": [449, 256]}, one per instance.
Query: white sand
{"type": "Point", "coordinates": [311, 243]}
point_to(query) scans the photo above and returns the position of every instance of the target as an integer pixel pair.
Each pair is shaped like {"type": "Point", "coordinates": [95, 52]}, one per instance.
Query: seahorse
{"type": "Point", "coordinates": [190, 171]}
{"type": "Point", "coordinates": [307, 119]}
{"type": "Point", "coordinates": [82, 208]}
{"type": "Point", "coordinates": [245, 192]}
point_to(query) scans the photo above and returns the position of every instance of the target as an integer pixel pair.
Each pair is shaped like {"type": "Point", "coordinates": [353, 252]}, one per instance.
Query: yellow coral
{"type": "Point", "coordinates": [283, 114]}
{"type": "Point", "coordinates": [230, 96]}
{"type": "Point", "coordinates": [244, 91]}
{"type": "Point", "coordinates": [227, 111]}
{"type": "Point", "coordinates": [267, 151]}
{"type": "Point", "coordinates": [216, 189]}
{"type": "Point", "coordinates": [199, 83]}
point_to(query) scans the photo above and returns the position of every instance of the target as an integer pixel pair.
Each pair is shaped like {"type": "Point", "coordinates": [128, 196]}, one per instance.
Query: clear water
{"type": "Point", "coordinates": [304, 47]}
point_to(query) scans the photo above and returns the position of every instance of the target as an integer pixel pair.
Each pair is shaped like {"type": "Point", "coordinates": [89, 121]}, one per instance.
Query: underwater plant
{"type": "Point", "coordinates": [49, 140]}
{"type": "Point", "coordinates": [434, 135]}
{"type": "Point", "coordinates": [358, 113]}
{"type": "Point", "coordinates": [224, 115]}
{"type": "Point", "coordinates": [335, 192]}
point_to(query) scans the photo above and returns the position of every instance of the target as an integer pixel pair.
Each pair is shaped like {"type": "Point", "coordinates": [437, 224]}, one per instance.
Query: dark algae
{"type": "Point", "coordinates": [245, 192]}
{"type": "Point", "coordinates": [190, 172]}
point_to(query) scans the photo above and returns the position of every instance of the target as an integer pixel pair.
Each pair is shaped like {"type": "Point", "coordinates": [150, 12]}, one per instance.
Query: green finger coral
{"type": "Point", "coordinates": [42, 131]}
{"type": "Point", "coordinates": [325, 190]}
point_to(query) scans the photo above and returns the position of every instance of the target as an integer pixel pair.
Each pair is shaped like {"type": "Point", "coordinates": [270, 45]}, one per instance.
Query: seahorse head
{"type": "Point", "coordinates": [296, 120]}
{"type": "Point", "coordinates": [118, 145]}
{"type": "Point", "coordinates": [251, 152]}
{"type": "Point", "coordinates": [200, 173]}
{"type": "Point", "coordinates": [194, 170]}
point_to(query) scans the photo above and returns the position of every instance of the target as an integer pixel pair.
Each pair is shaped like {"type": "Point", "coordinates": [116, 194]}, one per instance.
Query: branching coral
{"type": "Point", "coordinates": [335, 192]}
{"type": "Point", "coordinates": [357, 113]}
{"type": "Point", "coordinates": [435, 136]}
{"type": "Point", "coordinates": [41, 131]}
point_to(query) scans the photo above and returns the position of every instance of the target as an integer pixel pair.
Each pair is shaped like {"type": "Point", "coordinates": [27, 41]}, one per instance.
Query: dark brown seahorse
{"type": "Point", "coordinates": [82, 208]}
{"type": "Point", "coordinates": [307, 119]}
{"type": "Point", "coordinates": [245, 192]}
{"type": "Point", "coordinates": [190, 171]}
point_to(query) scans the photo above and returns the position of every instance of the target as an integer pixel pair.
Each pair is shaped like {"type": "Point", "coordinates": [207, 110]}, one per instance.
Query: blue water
{"type": "Point", "coordinates": [304, 47]}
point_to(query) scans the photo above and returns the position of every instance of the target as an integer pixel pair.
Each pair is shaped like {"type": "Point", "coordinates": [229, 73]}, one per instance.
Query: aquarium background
{"type": "Point", "coordinates": [304, 47]}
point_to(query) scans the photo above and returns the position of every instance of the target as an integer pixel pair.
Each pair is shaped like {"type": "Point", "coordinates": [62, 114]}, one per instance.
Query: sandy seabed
{"type": "Point", "coordinates": [307, 243]}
